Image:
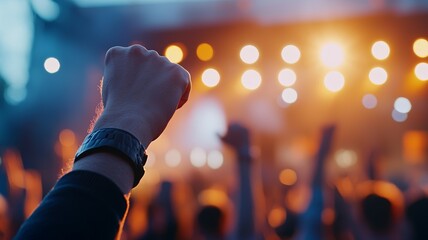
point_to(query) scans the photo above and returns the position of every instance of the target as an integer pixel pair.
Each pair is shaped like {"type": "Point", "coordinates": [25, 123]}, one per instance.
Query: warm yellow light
{"type": "Point", "coordinates": [334, 81]}
{"type": "Point", "coordinates": [205, 52]}
{"type": "Point", "coordinates": [332, 55]}
{"type": "Point", "coordinates": [378, 76]}
{"type": "Point", "coordinates": [249, 54]}
{"type": "Point", "coordinates": [288, 177]}
{"type": "Point", "coordinates": [380, 50]}
{"type": "Point", "coordinates": [210, 77]}
{"type": "Point", "coordinates": [402, 105]}
{"type": "Point", "coordinates": [290, 54]}
{"type": "Point", "coordinates": [287, 77]}
{"type": "Point", "coordinates": [421, 71]}
{"type": "Point", "coordinates": [251, 79]}
{"type": "Point", "coordinates": [289, 95]}
{"type": "Point", "coordinates": [369, 101]}
{"type": "Point", "coordinates": [174, 53]}
{"type": "Point", "coordinates": [420, 48]}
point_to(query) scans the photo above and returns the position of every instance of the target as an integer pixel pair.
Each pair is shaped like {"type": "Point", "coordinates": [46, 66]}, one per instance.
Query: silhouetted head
{"type": "Point", "coordinates": [377, 213]}
{"type": "Point", "coordinates": [210, 221]}
{"type": "Point", "coordinates": [417, 214]}
{"type": "Point", "coordinates": [289, 227]}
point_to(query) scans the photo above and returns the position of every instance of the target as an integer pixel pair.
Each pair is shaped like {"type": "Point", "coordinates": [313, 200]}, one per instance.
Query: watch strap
{"type": "Point", "coordinates": [119, 142]}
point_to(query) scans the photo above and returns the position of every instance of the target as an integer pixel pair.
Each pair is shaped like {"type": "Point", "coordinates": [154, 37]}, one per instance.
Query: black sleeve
{"type": "Point", "coordinates": [82, 205]}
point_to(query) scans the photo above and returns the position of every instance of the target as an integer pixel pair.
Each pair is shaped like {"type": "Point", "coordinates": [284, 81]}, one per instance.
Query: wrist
{"type": "Point", "coordinates": [132, 123]}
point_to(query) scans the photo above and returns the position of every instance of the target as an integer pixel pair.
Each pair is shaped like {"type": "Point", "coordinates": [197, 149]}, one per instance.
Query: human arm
{"type": "Point", "coordinates": [141, 91]}
{"type": "Point", "coordinates": [237, 137]}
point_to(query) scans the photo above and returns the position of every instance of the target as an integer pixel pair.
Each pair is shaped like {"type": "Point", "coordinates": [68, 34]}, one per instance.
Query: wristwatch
{"type": "Point", "coordinates": [116, 141]}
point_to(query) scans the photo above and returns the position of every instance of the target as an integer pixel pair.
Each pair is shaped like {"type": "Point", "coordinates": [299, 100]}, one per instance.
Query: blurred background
{"type": "Point", "coordinates": [283, 68]}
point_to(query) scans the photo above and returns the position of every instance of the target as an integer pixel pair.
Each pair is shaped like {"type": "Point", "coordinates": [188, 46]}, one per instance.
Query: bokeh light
{"type": "Point", "coordinates": [288, 177]}
{"type": "Point", "coordinates": [287, 77]}
{"type": "Point", "coordinates": [289, 95]}
{"type": "Point", "coordinates": [211, 77]}
{"type": "Point", "coordinates": [398, 116]}
{"type": "Point", "coordinates": [378, 76]}
{"type": "Point", "coordinates": [198, 157]}
{"type": "Point", "coordinates": [334, 81]}
{"type": "Point", "coordinates": [251, 79]}
{"type": "Point", "coordinates": [420, 48]}
{"type": "Point", "coordinates": [249, 54]}
{"type": "Point", "coordinates": [345, 158]}
{"type": "Point", "coordinates": [402, 105]}
{"type": "Point", "coordinates": [332, 55]}
{"type": "Point", "coordinates": [173, 158]}
{"type": "Point", "coordinates": [174, 53]}
{"type": "Point", "coordinates": [380, 50]}
{"type": "Point", "coordinates": [421, 71]}
{"type": "Point", "coordinates": [67, 138]}
{"type": "Point", "coordinates": [215, 159]}
{"type": "Point", "coordinates": [52, 65]}
{"type": "Point", "coordinates": [369, 101]}
{"type": "Point", "coordinates": [290, 54]}
{"type": "Point", "coordinates": [276, 216]}
{"type": "Point", "coordinates": [205, 52]}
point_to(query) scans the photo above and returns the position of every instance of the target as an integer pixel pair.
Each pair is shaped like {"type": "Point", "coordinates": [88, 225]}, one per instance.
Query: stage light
{"type": "Point", "coordinates": [345, 158]}
{"type": "Point", "coordinates": [398, 116]}
{"type": "Point", "coordinates": [251, 79]}
{"type": "Point", "coordinates": [421, 71]}
{"type": "Point", "coordinates": [198, 157]}
{"type": "Point", "coordinates": [52, 65]}
{"type": "Point", "coordinates": [205, 52]}
{"type": "Point", "coordinates": [420, 48]}
{"type": "Point", "coordinates": [380, 50]}
{"type": "Point", "coordinates": [289, 95]}
{"type": "Point", "coordinates": [290, 54]}
{"type": "Point", "coordinates": [369, 101]}
{"type": "Point", "coordinates": [174, 53]}
{"type": "Point", "coordinates": [402, 105]}
{"type": "Point", "coordinates": [210, 77]}
{"type": "Point", "coordinates": [172, 158]}
{"type": "Point", "coordinates": [277, 216]}
{"type": "Point", "coordinates": [378, 76]}
{"type": "Point", "coordinates": [215, 159]}
{"type": "Point", "coordinates": [288, 177]}
{"type": "Point", "coordinates": [332, 55]}
{"type": "Point", "coordinates": [287, 77]}
{"type": "Point", "coordinates": [334, 81]}
{"type": "Point", "coordinates": [249, 54]}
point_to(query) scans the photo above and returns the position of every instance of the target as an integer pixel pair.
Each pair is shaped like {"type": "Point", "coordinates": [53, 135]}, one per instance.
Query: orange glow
{"type": "Point", "coordinates": [214, 196]}
{"type": "Point", "coordinates": [420, 48]}
{"type": "Point", "coordinates": [14, 170]}
{"type": "Point", "coordinates": [297, 198]}
{"type": "Point", "coordinates": [345, 187]}
{"type": "Point", "coordinates": [67, 138]}
{"type": "Point", "coordinates": [33, 186]}
{"type": "Point", "coordinates": [328, 216]}
{"type": "Point", "coordinates": [175, 53]}
{"type": "Point", "coordinates": [277, 216]}
{"type": "Point", "coordinates": [288, 177]}
{"type": "Point", "coordinates": [205, 52]}
{"type": "Point", "coordinates": [415, 146]}
{"type": "Point", "coordinates": [380, 50]}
